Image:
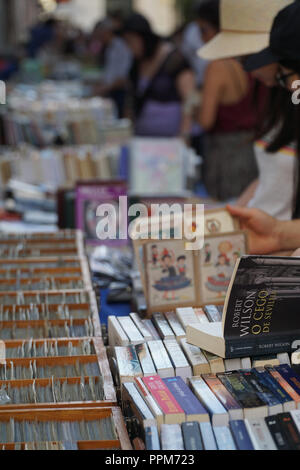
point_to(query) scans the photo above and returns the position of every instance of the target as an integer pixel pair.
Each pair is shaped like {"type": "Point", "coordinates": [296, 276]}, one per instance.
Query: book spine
{"type": "Point", "coordinates": [186, 316]}
{"type": "Point", "coordinates": [178, 359]}
{"type": "Point", "coordinates": [208, 437]}
{"type": "Point", "coordinates": [264, 393]}
{"type": "Point", "coordinates": [290, 376]}
{"type": "Point", "coordinates": [191, 436]}
{"type": "Point", "coordinates": [212, 313]}
{"type": "Point", "coordinates": [171, 437]}
{"type": "Point", "coordinates": [276, 432]}
{"type": "Point", "coordinates": [162, 326]}
{"type": "Point", "coordinates": [145, 359]}
{"type": "Point", "coordinates": [209, 401]}
{"type": "Point", "coordinates": [273, 385]}
{"type": "Point", "coordinates": [152, 438]}
{"type": "Point", "coordinates": [128, 363]}
{"type": "Point", "coordinates": [152, 330]}
{"type": "Point", "coordinates": [154, 408]}
{"type": "Point", "coordinates": [161, 359]}
{"type": "Point", "coordinates": [196, 358]}
{"type": "Point", "coordinates": [224, 438]}
{"type": "Point", "coordinates": [224, 396]}
{"type": "Point", "coordinates": [185, 398]}
{"type": "Point", "coordinates": [260, 435]}
{"type": "Point", "coordinates": [131, 330]}
{"type": "Point", "coordinates": [141, 327]}
{"type": "Point", "coordinates": [200, 314]}
{"type": "Point", "coordinates": [175, 325]}
{"type": "Point", "coordinates": [241, 435]}
{"type": "Point", "coordinates": [116, 334]}
{"type": "Point", "coordinates": [284, 384]}
{"type": "Point", "coordinates": [132, 397]}
{"type": "Point", "coordinates": [290, 430]}
{"type": "Point", "coordinates": [260, 346]}
{"type": "Point", "coordinates": [163, 396]}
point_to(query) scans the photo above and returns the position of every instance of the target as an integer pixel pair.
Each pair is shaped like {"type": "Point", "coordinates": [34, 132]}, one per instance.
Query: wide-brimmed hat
{"type": "Point", "coordinates": [245, 28]}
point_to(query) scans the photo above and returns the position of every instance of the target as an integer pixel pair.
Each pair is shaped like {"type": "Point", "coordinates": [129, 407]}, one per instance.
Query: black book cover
{"type": "Point", "coordinates": [278, 435]}
{"type": "Point", "coordinates": [240, 389]}
{"type": "Point", "coordinates": [262, 310]}
{"type": "Point", "coordinates": [290, 430]}
{"type": "Point", "coordinates": [191, 436]}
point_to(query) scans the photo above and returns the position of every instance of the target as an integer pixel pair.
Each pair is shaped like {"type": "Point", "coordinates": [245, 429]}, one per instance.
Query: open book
{"type": "Point", "coordinates": [261, 313]}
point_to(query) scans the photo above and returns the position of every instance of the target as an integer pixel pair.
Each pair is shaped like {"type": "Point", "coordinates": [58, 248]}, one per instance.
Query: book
{"type": "Point", "coordinates": [234, 409]}
{"type": "Point", "coordinates": [284, 358]}
{"type": "Point", "coordinates": [217, 412]}
{"type": "Point", "coordinates": [285, 385]}
{"type": "Point", "coordinates": [265, 361]}
{"type": "Point", "coordinates": [216, 363]}
{"type": "Point", "coordinates": [264, 377]}
{"type": "Point", "coordinates": [186, 316]}
{"type": "Point", "coordinates": [264, 392]}
{"type": "Point", "coordinates": [246, 363]}
{"type": "Point", "coordinates": [180, 364]}
{"type": "Point", "coordinates": [260, 435]}
{"type": "Point", "coordinates": [296, 357]}
{"type": "Point", "coordinates": [195, 357]}
{"type": "Point", "coordinates": [194, 410]}
{"type": "Point", "coordinates": [145, 359]}
{"type": "Point", "coordinates": [127, 363]}
{"type": "Point", "coordinates": [290, 376]}
{"type": "Point", "coordinates": [116, 334]}
{"type": "Point", "coordinates": [173, 413]}
{"type": "Point", "coordinates": [212, 313]}
{"type": "Point", "coordinates": [260, 312]}
{"type": "Point", "coordinates": [200, 314]}
{"type": "Point", "coordinates": [240, 435]}
{"type": "Point", "coordinates": [153, 406]}
{"type": "Point", "coordinates": [152, 438]}
{"type": "Point", "coordinates": [232, 364]}
{"type": "Point", "coordinates": [296, 417]}
{"type": "Point", "coordinates": [175, 325]}
{"type": "Point", "coordinates": [132, 399]}
{"type": "Point", "coordinates": [152, 330]}
{"type": "Point", "coordinates": [141, 327]}
{"type": "Point", "coordinates": [275, 428]}
{"type": "Point", "coordinates": [253, 406]}
{"type": "Point", "coordinates": [208, 437]}
{"type": "Point", "coordinates": [290, 430]}
{"type": "Point", "coordinates": [224, 438]}
{"type": "Point", "coordinates": [162, 326]}
{"type": "Point", "coordinates": [191, 436]}
{"type": "Point", "coordinates": [161, 359]}
{"type": "Point", "coordinates": [131, 330]}
{"type": "Point", "coordinates": [171, 437]}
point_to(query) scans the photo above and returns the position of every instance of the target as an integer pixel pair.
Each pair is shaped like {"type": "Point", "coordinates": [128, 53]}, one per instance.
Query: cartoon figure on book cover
{"type": "Point", "coordinates": [171, 276]}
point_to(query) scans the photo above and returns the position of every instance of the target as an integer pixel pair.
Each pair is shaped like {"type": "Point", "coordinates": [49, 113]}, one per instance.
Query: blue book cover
{"type": "Point", "coordinates": [290, 376]}
{"type": "Point", "coordinates": [191, 436]}
{"type": "Point", "coordinates": [152, 438]}
{"type": "Point", "coordinates": [240, 435]}
{"type": "Point", "coordinates": [208, 437]}
{"type": "Point", "coordinates": [266, 378]}
{"type": "Point", "coordinates": [185, 397]}
{"type": "Point", "coordinates": [224, 438]}
{"type": "Point", "coordinates": [263, 391]}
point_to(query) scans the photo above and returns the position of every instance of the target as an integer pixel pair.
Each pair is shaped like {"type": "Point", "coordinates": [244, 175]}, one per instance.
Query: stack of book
{"type": "Point", "coordinates": [52, 356]}
{"type": "Point", "coordinates": [255, 409]}
{"type": "Point", "coordinates": [159, 346]}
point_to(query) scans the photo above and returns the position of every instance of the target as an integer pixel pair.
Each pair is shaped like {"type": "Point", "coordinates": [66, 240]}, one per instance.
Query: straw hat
{"type": "Point", "coordinates": [245, 28]}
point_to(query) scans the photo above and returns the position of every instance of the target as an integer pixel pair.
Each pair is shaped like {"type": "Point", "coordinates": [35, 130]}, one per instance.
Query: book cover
{"type": "Point", "coordinates": [240, 435]}
{"type": "Point", "coordinates": [191, 436]}
{"type": "Point", "coordinates": [285, 385]}
{"type": "Point", "coordinates": [116, 334]}
{"type": "Point", "coordinates": [296, 417]}
{"type": "Point", "coordinates": [109, 226]}
{"type": "Point", "coordinates": [224, 438]}
{"type": "Point", "coordinates": [152, 438]}
{"type": "Point", "coordinates": [173, 412]}
{"type": "Point", "coordinates": [132, 399]}
{"type": "Point", "coordinates": [278, 435]}
{"type": "Point", "coordinates": [267, 379]}
{"type": "Point", "coordinates": [213, 313]}
{"type": "Point", "coordinates": [190, 404]}
{"type": "Point", "coordinates": [244, 394]}
{"type": "Point", "coordinates": [141, 327]}
{"type": "Point", "coordinates": [132, 332]}
{"type": "Point", "coordinates": [263, 391]}
{"type": "Point", "coordinates": [223, 395]}
{"type": "Point", "coordinates": [260, 312]}
{"type": "Point", "coordinates": [218, 414]}
{"type": "Point", "coordinates": [153, 406]}
{"type": "Point", "coordinates": [290, 376]}
{"type": "Point", "coordinates": [208, 437]}
{"type": "Point", "coordinates": [128, 363]}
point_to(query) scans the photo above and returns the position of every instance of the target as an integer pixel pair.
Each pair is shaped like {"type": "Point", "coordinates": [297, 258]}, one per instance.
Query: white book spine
{"type": "Point", "coordinates": [149, 325]}
{"type": "Point", "coordinates": [145, 359]}
{"type": "Point", "coordinates": [195, 357]}
{"type": "Point", "coordinates": [116, 334]}
{"type": "Point", "coordinates": [161, 359]}
{"type": "Point", "coordinates": [141, 327]}
{"type": "Point", "coordinates": [260, 435]}
{"type": "Point", "coordinates": [219, 415]}
{"type": "Point", "coordinates": [232, 365]}
{"type": "Point", "coordinates": [131, 330]}
{"type": "Point", "coordinates": [284, 359]}
{"type": "Point", "coordinates": [246, 363]}
{"type": "Point", "coordinates": [163, 326]}
{"type": "Point", "coordinates": [181, 365]}
{"type": "Point", "coordinates": [175, 325]}
{"type": "Point", "coordinates": [171, 437]}
{"type": "Point", "coordinates": [186, 316]}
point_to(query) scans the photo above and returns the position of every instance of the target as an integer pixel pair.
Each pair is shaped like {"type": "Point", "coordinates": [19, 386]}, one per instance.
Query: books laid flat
{"type": "Point", "coordinates": [260, 435]}
{"type": "Point", "coordinates": [127, 363]}
{"type": "Point", "coordinates": [145, 359]}
{"type": "Point", "coordinates": [234, 409]}
{"type": "Point", "coordinates": [155, 410]}
{"type": "Point", "coordinates": [161, 359]}
{"type": "Point", "coordinates": [196, 358]}
{"type": "Point", "coordinates": [218, 414]}
{"type": "Point", "coordinates": [191, 436]}
{"type": "Point", "coordinates": [180, 364]}
{"type": "Point", "coordinates": [132, 399]}
{"type": "Point", "coordinates": [260, 312]}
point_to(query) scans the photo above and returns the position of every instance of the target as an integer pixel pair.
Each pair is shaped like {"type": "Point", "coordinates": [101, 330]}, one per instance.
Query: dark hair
{"type": "Point", "coordinates": [210, 12]}
{"type": "Point", "coordinates": [138, 24]}
{"type": "Point", "coordinates": [181, 258]}
{"type": "Point", "coordinates": [166, 256]}
{"type": "Point", "coordinates": [283, 116]}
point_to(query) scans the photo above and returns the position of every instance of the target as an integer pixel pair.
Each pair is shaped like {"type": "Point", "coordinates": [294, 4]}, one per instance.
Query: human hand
{"type": "Point", "coordinates": [263, 230]}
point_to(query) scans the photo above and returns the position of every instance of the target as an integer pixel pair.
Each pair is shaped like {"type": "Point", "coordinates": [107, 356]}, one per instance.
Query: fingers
{"type": "Point", "coordinates": [241, 212]}
{"type": "Point", "coordinates": [296, 253]}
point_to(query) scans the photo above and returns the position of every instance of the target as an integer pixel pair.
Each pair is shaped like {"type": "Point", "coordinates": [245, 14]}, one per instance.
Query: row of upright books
{"type": "Point", "coordinates": [56, 388]}
{"type": "Point", "coordinates": [257, 409]}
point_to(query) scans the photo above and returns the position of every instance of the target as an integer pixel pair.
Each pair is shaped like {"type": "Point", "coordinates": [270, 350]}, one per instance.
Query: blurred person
{"type": "Point", "coordinates": [229, 114]}
{"type": "Point", "coordinates": [275, 147]}
{"type": "Point", "coordinates": [40, 35]}
{"type": "Point", "coordinates": [117, 60]}
{"type": "Point", "coordinates": [162, 81]}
